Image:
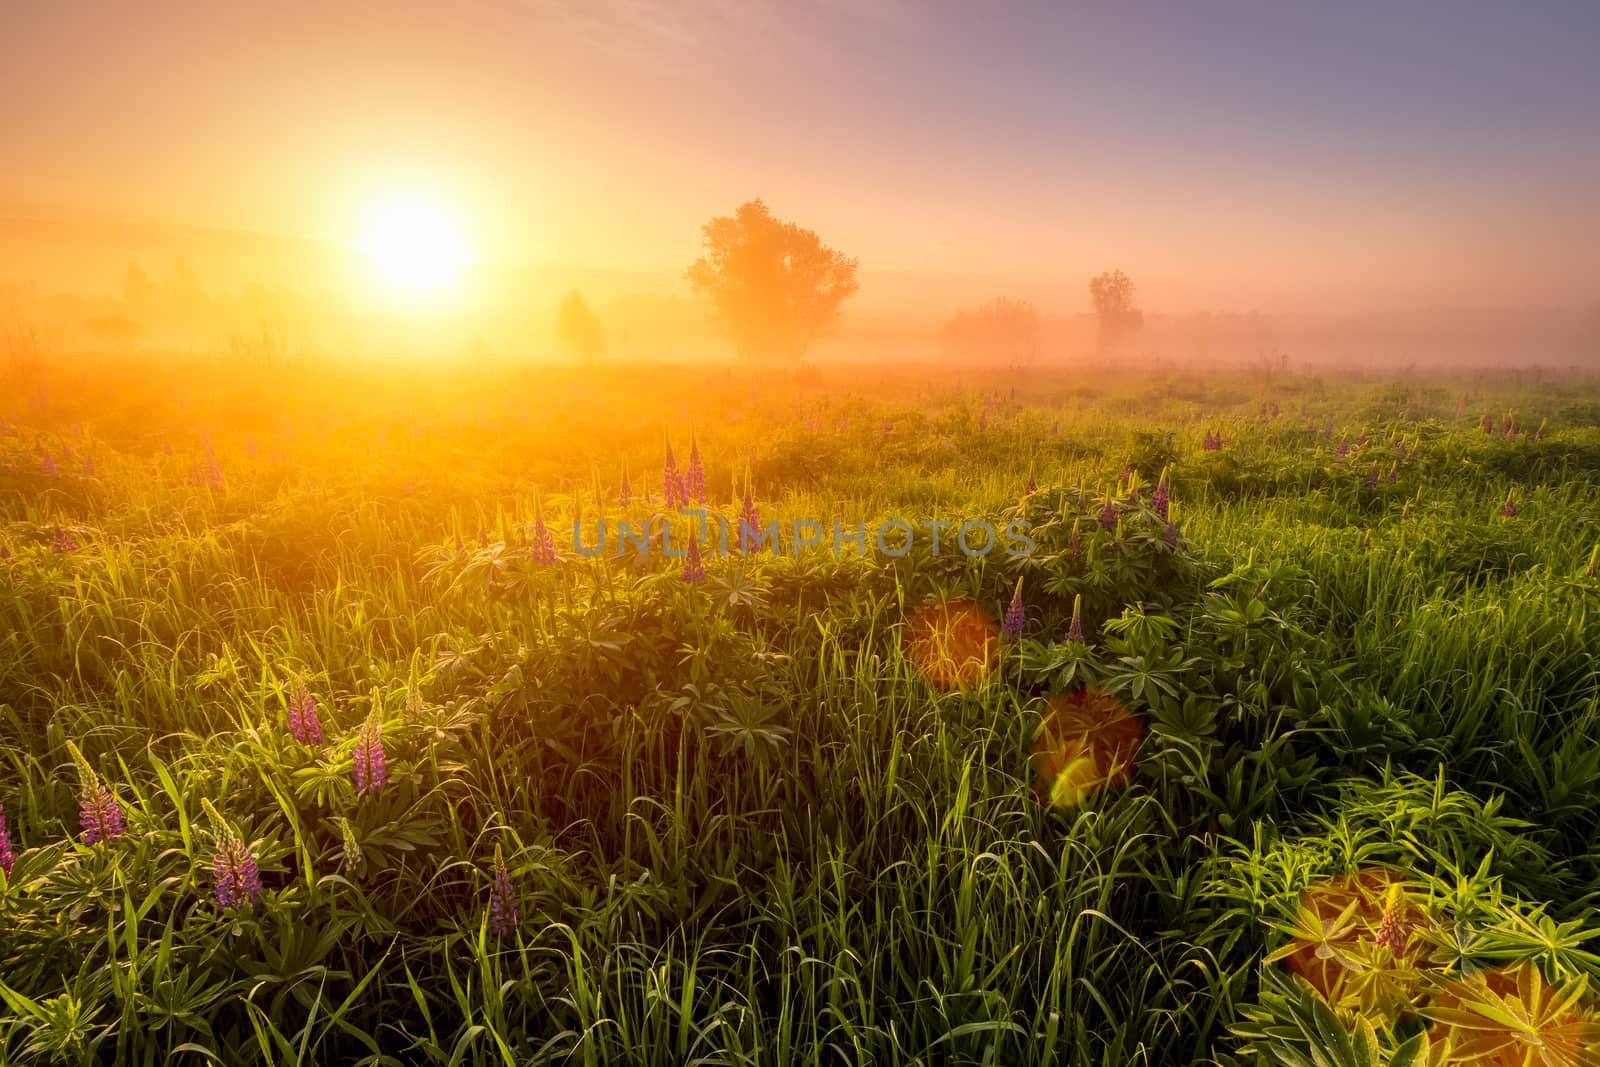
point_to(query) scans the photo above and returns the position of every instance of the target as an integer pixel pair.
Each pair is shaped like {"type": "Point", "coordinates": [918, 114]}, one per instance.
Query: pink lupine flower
{"type": "Point", "coordinates": [694, 478]}
{"type": "Point", "coordinates": [7, 856]}
{"type": "Point", "coordinates": [371, 770]}
{"type": "Point", "coordinates": [1509, 508]}
{"type": "Point", "coordinates": [304, 725]}
{"type": "Point", "coordinates": [1160, 498]}
{"type": "Point", "coordinates": [502, 899]}
{"type": "Point", "coordinates": [1075, 627]}
{"type": "Point", "coordinates": [694, 568]}
{"type": "Point", "coordinates": [1016, 616]}
{"type": "Point", "coordinates": [99, 814]}
{"type": "Point", "coordinates": [236, 877]}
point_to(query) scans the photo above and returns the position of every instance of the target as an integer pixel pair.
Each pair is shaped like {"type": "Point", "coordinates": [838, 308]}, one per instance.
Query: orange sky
{"type": "Point", "coordinates": [1228, 156]}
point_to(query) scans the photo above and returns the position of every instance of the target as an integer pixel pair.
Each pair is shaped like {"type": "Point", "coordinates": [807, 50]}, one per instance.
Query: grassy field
{"type": "Point", "coordinates": [322, 742]}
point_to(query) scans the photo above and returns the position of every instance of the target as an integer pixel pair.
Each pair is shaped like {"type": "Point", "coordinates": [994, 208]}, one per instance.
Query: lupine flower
{"type": "Point", "coordinates": [671, 483]}
{"type": "Point", "coordinates": [1488, 423]}
{"type": "Point", "coordinates": [304, 725]}
{"type": "Point", "coordinates": [48, 466]}
{"type": "Point", "coordinates": [1274, 410]}
{"type": "Point", "coordinates": [887, 426]}
{"type": "Point", "coordinates": [1075, 627]}
{"type": "Point", "coordinates": [1032, 486]}
{"type": "Point", "coordinates": [1372, 475]}
{"type": "Point", "coordinates": [694, 478]}
{"type": "Point", "coordinates": [1343, 448]}
{"type": "Point", "coordinates": [99, 815]}
{"type": "Point", "coordinates": [694, 568]}
{"type": "Point", "coordinates": [1108, 514]}
{"type": "Point", "coordinates": [1361, 442]}
{"type": "Point", "coordinates": [1125, 475]}
{"type": "Point", "coordinates": [1169, 536]}
{"type": "Point", "coordinates": [1507, 426]}
{"type": "Point", "coordinates": [1538, 435]}
{"type": "Point", "coordinates": [236, 878]}
{"type": "Point", "coordinates": [61, 541]}
{"type": "Point", "coordinates": [371, 767]}
{"type": "Point", "coordinates": [502, 899]}
{"type": "Point", "coordinates": [7, 856]}
{"type": "Point", "coordinates": [543, 548]}
{"type": "Point", "coordinates": [749, 523]}
{"type": "Point", "coordinates": [1074, 543]}
{"type": "Point", "coordinates": [625, 494]}
{"type": "Point", "coordinates": [1509, 508]}
{"type": "Point", "coordinates": [5, 551]}
{"type": "Point", "coordinates": [1594, 558]}
{"type": "Point", "coordinates": [1016, 615]}
{"type": "Point", "coordinates": [1392, 932]}
{"type": "Point", "coordinates": [1055, 428]}
{"type": "Point", "coordinates": [1160, 498]}
{"type": "Point", "coordinates": [1394, 472]}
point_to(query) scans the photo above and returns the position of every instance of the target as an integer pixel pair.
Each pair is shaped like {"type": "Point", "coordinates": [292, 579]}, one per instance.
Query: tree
{"type": "Point", "coordinates": [1112, 296]}
{"type": "Point", "coordinates": [776, 287]}
{"type": "Point", "coordinates": [1003, 330]}
{"type": "Point", "coordinates": [580, 329]}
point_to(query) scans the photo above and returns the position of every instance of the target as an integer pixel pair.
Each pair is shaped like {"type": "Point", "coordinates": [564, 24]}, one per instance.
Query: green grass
{"type": "Point", "coordinates": [742, 825]}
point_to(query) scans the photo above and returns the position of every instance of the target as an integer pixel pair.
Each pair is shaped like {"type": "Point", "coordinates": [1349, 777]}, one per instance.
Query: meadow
{"type": "Point", "coordinates": [322, 742]}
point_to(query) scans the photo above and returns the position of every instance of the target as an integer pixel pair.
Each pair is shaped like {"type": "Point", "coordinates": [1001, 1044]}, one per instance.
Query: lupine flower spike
{"type": "Point", "coordinates": [1075, 627]}
{"type": "Point", "coordinates": [1074, 543]}
{"type": "Point", "coordinates": [543, 548]}
{"type": "Point", "coordinates": [749, 521]}
{"type": "Point", "coordinates": [502, 898]}
{"type": "Point", "coordinates": [1016, 615]}
{"type": "Point", "coordinates": [671, 482]}
{"type": "Point", "coordinates": [1509, 508]}
{"type": "Point", "coordinates": [625, 494]}
{"type": "Point", "coordinates": [99, 814]}
{"type": "Point", "coordinates": [371, 770]}
{"type": "Point", "coordinates": [1372, 475]}
{"type": "Point", "coordinates": [1108, 513]}
{"type": "Point", "coordinates": [304, 726]}
{"type": "Point", "coordinates": [7, 856]}
{"type": "Point", "coordinates": [694, 479]}
{"type": "Point", "coordinates": [694, 568]}
{"type": "Point", "coordinates": [235, 876]}
{"type": "Point", "coordinates": [1032, 485]}
{"type": "Point", "coordinates": [1160, 498]}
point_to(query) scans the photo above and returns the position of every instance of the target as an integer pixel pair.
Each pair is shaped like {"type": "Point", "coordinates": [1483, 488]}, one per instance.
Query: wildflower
{"type": "Point", "coordinates": [1538, 435]}
{"type": "Point", "coordinates": [1394, 472]}
{"type": "Point", "coordinates": [502, 898]}
{"type": "Point", "coordinates": [1074, 543]}
{"type": "Point", "coordinates": [671, 483]}
{"type": "Point", "coordinates": [371, 770]}
{"type": "Point", "coordinates": [1108, 514]}
{"type": "Point", "coordinates": [1126, 474]}
{"type": "Point", "coordinates": [48, 466]}
{"type": "Point", "coordinates": [99, 814]}
{"type": "Point", "coordinates": [694, 568]}
{"type": "Point", "coordinates": [1488, 423]}
{"type": "Point", "coordinates": [749, 523]}
{"type": "Point", "coordinates": [7, 856]}
{"type": "Point", "coordinates": [1055, 428]}
{"type": "Point", "coordinates": [1508, 510]}
{"type": "Point", "coordinates": [304, 726]}
{"type": "Point", "coordinates": [625, 494]}
{"type": "Point", "coordinates": [1169, 536]}
{"type": "Point", "coordinates": [1016, 615]}
{"type": "Point", "coordinates": [1160, 498]}
{"type": "Point", "coordinates": [887, 426]}
{"type": "Point", "coordinates": [694, 478]}
{"type": "Point", "coordinates": [1361, 442]}
{"type": "Point", "coordinates": [5, 551]}
{"type": "Point", "coordinates": [235, 876]}
{"type": "Point", "coordinates": [543, 549]}
{"type": "Point", "coordinates": [1372, 475]}
{"type": "Point", "coordinates": [1343, 448]}
{"type": "Point", "coordinates": [1392, 932]}
{"type": "Point", "coordinates": [1085, 745]}
{"type": "Point", "coordinates": [1508, 425]}
{"type": "Point", "coordinates": [1032, 486]}
{"type": "Point", "coordinates": [1075, 627]}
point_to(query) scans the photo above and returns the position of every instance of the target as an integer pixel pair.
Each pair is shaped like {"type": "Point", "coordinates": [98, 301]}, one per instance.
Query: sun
{"type": "Point", "coordinates": [414, 243]}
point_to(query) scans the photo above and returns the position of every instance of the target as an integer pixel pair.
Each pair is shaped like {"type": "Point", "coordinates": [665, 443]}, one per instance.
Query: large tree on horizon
{"type": "Point", "coordinates": [776, 286]}
{"type": "Point", "coordinates": [1111, 294]}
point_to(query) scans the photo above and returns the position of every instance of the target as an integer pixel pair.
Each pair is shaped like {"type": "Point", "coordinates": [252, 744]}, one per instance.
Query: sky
{"type": "Point", "coordinates": [1227, 155]}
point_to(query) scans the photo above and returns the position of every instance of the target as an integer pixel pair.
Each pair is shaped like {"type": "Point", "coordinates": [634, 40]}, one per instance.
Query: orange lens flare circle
{"type": "Point", "coordinates": [1367, 951]}
{"type": "Point", "coordinates": [954, 645]}
{"type": "Point", "coordinates": [1085, 745]}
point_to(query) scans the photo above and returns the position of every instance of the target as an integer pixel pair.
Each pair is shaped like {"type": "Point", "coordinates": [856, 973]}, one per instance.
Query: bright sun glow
{"type": "Point", "coordinates": [413, 243]}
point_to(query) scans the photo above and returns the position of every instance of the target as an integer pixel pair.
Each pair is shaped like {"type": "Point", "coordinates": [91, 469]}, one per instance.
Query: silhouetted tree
{"type": "Point", "coordinates": [1003, 330]}
{"type": "Point", "coordinates": [776, 286]}
{"type": "Point", "coordinates": [579, 329]}
{"type": "Point", "coordinates": [1112, 296]}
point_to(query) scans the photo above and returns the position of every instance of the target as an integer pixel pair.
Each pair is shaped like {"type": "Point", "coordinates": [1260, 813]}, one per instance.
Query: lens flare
{"type": "Point", "coordinates": [953, 645]}
{"type": "Point", "coordinates": [1085, 745]}
{"type": "Point", "coordinates": [1512, 1017]}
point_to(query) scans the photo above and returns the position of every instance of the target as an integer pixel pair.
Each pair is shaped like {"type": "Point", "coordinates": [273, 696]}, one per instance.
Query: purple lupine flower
{"type": "Point", "coordinates": [236, 878]}
{"type": "Point", "coordinates": [5, 551]}
{"type": "Point", "coordinates": [1125, 474]}
{"type": "Point", "coordinates": [1074, 543]}
{"type": "Point", "coordinates": [502, 899]}
{"type": "Point", "coordinates": [543, 548]}
{"type": "Point", "coordinates": [1488, 423]}
{"type": "Point", "coordinates": [1538, 435]}
{"type": "Point", "coordinates": [371, 766]}
{"type": "Point", "coordinates": [1075, 627]}
{"type": "Point", "coordinates": [1394, 472]}
{"type": "Point", "coordinates": [1372, 475]}
{"type": "Point", "coordinates": [671, 483]}
{"type": "Point", "coordinates": [749, 523]}
{"type": "Point", "coordinates": [1274, 410]}
{"type": "Point", "coordinates": [1169, 536]}
{"type": "Point", "coordinates": [1507, 426]}
{"type": "Point", "coordinates": [61, 542]}
{"type": "Point", "coordinates": [1016, 615]}
{"type": "Point", "coordinates": [1343, 448]}
{"type": "Point", "coordinates": [1055, 428]}
{"type": "Point", "coordinates": [99, 815]}
{"type": "Point", "coordinates": [304, 726]}
{"type": "Point", "coordinates": [1361, 442]}
{"type": "Point", "coordinates": [694, 478]}
{"type": "Point", "coordinates": [1509, 508]}
{"type": "Point", "coordinates": [48, 466]}
{"type": "Point", "coordinates": [7, 856]}
{"type": "Point", "coordinates": [694, 568]}
{"type": "Point", "coordinates": [1032, 486]}
{"type": "Point", "coordinates": [1160, 498]}
{"type": "Point", "coordinates": [625, 494]}
{"type": "Point", "coordinates": [1108, 514]}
